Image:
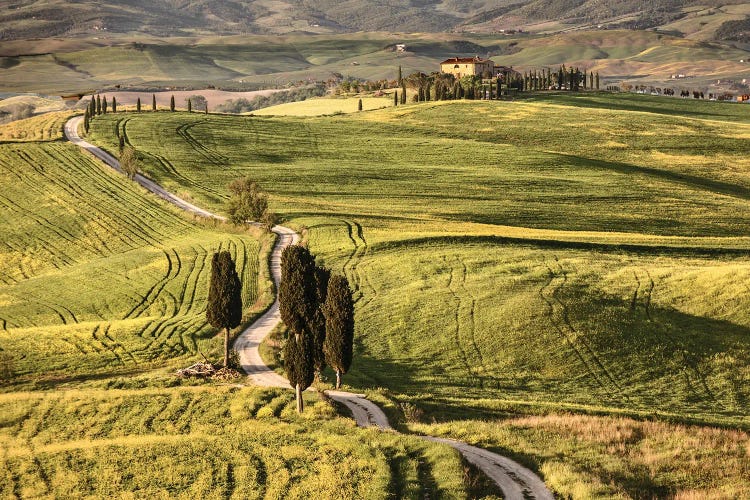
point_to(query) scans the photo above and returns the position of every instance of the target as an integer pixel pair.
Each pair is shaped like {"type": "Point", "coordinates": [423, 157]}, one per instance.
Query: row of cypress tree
{"type": "Point", "coordinates": [318, 311]}
{"type": "Point", "coordinates": [98, 105]}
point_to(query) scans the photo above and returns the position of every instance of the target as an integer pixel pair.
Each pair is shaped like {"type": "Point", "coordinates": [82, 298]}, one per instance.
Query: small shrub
{"type": "Point", "coordinates": [412, 413]}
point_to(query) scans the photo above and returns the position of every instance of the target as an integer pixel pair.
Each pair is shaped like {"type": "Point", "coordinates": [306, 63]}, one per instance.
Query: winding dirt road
{"type": "Point", "coordinates": [516, 481]}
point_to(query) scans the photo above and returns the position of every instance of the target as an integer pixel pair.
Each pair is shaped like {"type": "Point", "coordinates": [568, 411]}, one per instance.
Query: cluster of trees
{"type": "Point", "coordinates": [97, 106]}
{"type": "Point", "coordinates": [243, 105]}
{"type": "Point", "coordinates": [563, 79]}
{"type": "Point", "coordinates": [249, 203]}
{"type": "Point", "coordinates": [439, 86]}
{"type": "Point", "coordinates": [318, 310]}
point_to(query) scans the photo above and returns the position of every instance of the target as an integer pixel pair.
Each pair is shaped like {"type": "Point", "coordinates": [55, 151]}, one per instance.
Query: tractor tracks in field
{"type": "Point", "coordinates": [689, 364]}
{"type": "Point", "coordinates": [465, 322]}
{"type": "Point", "coordinates": [209, 154]}
{"type": "Point", "coordinates": [557, 313]}
{"type": "Point", "coordinates": [517, 482]}
{"type": "Point", "coordinates": [359, 250]}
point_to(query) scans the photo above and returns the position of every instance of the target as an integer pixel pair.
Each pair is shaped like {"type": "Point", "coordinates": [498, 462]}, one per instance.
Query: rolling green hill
{"type": "Point", "coordinates": [102, 295]}
{"type": "Point", "coordinates": [99, 278]}
{"type": "Point", "coordinates": [460, 223]}
{"type": "Point", "coordinates": [507, 267]}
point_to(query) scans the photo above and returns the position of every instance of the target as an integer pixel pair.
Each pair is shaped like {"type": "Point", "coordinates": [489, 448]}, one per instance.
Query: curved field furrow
{"type": "Point", "coordinates": [96, 329]}
{"type": "Point", "coordinates": [550, 301]}
{"type": "Point", "coordinates": [457, 306]}
{"type": "Point", "coordinates": [472, 312]}
{"type": "Point", "coordinates": [579, 337]}
{"type": "Point", "coordinates": [153, 293]}
{"type": "Point", "coordinates": [118, 345]}
{"type": "Point", "coordinates": [210, 155]}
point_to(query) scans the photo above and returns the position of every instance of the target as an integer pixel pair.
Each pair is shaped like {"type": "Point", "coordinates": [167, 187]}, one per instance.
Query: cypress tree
{"type": "Point", "coordinates": [403, 92]}
{"type": "Point", "coordinates": [298, 307]}
{"type": "Point", "coordinates": [171, 103]}
{"type": "Point", "coordinates": [114, 104]}
{"type": "Point", "coordinates": [359, 105]}
{"type": "Point", "coordinates": [298, 365]}
{"type": "Point", "coordinates": [420, 94]}
{"type": "Point", "coordinates": [399, 76]}
{"type": "Point", "coordinates": [591, 80]}
{"type": "Point", "coordinates": [339, 315]}
{"type": "Point", "coordinates": [104, 105]}
{"type": "Point", "coordinates": [92, 106]}
{"type": "Point", "coordinates": [190, 106]}
{"type": "Point", "coordinates": [395, 98]}
{"type": "Point", "coordinates": [317, 320]}
{"type": "Point", "coordinates": [98, 105]}
{"type": "Point", "coordinates": [224, 308]}
{"type": "Point", "coordinates": [86, 121]}
{"type": "Point", "coordinates": [597, 80]}
{"type": "Point", "coordinates": [427, 92]}
{"type": "Point", "coordinates": [206, 108]}
{"type": "Point", "coordinates": [153, 102]}
{"type": "Point", "coordinates": [138, 105]}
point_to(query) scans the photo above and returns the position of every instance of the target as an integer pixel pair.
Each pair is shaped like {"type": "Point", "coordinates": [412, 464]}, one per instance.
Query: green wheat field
{"type": "Point", "coordinates": [562, 279]}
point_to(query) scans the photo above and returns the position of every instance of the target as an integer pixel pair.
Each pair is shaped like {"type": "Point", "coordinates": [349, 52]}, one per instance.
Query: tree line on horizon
{"type": "Point", "coordinates": [439, 86]}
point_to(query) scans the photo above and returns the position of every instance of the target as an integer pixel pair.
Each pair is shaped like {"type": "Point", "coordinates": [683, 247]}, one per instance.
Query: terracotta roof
{"type": "Point", "coordinates": [465, 60]}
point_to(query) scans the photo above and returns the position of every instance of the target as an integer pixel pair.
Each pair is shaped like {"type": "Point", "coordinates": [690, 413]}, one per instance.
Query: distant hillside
{"type": "Point", "coordinates": [48, 18]}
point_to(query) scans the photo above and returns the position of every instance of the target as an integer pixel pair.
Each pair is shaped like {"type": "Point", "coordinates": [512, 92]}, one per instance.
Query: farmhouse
{"type": "Point", "coordinates": [462, 66]}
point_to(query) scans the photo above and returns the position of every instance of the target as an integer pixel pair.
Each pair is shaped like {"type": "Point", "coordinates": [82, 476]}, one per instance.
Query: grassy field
{"type": "Point", "coordinates": [98, 277]}
{"type": "Point", "coordinates": [504, 266]}
{"type": "Point", "coordinates": [326, 106]}
{"type": "Point", "coordinates": [102, 295]}
{"type": "Point", "coordinates": [45, 127]}
{"type": "Point", "coordinates": [207, 442]}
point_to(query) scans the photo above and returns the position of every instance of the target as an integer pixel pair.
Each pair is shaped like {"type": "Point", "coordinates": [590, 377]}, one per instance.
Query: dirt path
{"type": "Point", "coordinates": [516, 481]}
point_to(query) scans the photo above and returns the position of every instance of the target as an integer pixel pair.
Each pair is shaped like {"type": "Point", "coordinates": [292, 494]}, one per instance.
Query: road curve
{"type": "Point", "coordinates": [516, 481]}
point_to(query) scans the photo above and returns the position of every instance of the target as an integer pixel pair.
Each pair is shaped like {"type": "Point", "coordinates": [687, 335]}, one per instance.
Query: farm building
{"type": "Point", "coordinates": [462, 66]}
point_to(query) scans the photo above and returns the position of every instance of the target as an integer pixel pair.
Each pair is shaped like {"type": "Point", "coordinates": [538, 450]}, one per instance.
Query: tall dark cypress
{"type": "Point", "coordinates": [317, 321]}
{"type": "Point", "coordinates": [104, 105]}
{"type": "Point", "coordinates": [403, 91]}
{"type": "Point", "coordinates": [114, 104]}
{"type": "Point", "coordinates": [359, 105]}
{"type": "Point", "coordinates": [190, 106]}
{"type": "Point", "coordinates": [138, 105]}
{"type": "Point", "coordinates": [339, 315]}
{"type": "Point", "coordinates": [395, 97]}
{"type": "Point", "coordinates": [224, 309]}
{"type": "Point", "coordinates": [171, 103]}
{"type": "Point", "coordinates": [297, 306]}
{"type": "Point", "coordinates": [153, 102]}
{"type": "Point", "coordinates": [98, 104]}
